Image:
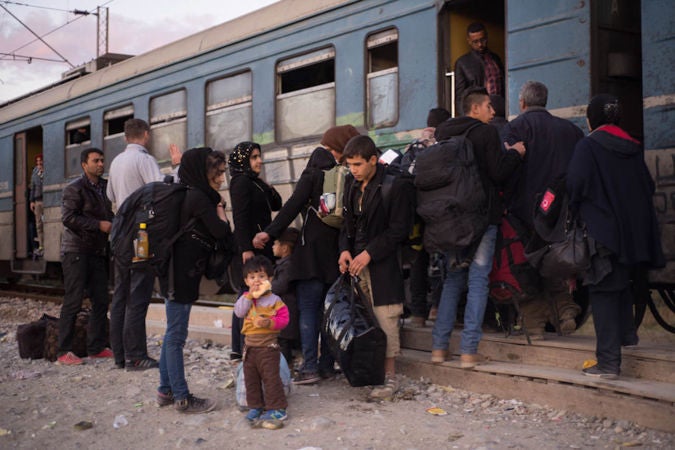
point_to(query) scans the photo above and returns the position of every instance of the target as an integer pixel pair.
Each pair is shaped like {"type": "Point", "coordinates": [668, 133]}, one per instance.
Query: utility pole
{"type": "Point", "coordinates": [101, 31]}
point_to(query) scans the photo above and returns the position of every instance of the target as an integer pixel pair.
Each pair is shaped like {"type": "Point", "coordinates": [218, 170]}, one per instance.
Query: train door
{"type": "Point", "coordinates": [454, 18]}
{"type": "Point", "coordinates": [27, 145]}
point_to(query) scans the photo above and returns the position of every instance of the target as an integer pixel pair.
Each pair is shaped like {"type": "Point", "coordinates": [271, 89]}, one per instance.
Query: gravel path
{"type": "Point", "coordinates": [43, 402]}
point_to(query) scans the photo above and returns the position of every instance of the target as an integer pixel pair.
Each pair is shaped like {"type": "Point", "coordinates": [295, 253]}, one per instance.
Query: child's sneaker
{"type": "Point", "coordinates": [275, 414]}
{"type": "Point", "coordinates": [254, 414]}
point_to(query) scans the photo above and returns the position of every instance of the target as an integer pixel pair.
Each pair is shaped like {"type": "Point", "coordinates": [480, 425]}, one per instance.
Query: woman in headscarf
{"type": "Point", "coordinates": [253, 201]}
{"type": "Point", "coordinates": [611, 188]}
{"type": "Point", "coordinates": [203, 171]}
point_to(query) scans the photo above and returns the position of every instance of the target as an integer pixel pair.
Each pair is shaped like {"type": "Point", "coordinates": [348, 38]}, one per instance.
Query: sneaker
{"type": "Point", "coordinates": [69, 359]}
{"type": "Point", "coordinates": [597, 372]}
{"type": "Point", "coordinates": [194, 405]}
{"type": "Point", "coordinates": [306, 378]}
{"type": "Point", "coordinates": [387, 390]}
{"type": "Point", "coordinates": [469, 360]}
{"type": "Point", "coordinates": [438, 356]}
{"type": "Point", "coordinates": [254, 414]}
{"type": "Point", "coordinates": [275, 414]}
{"type": "Point", "coordinates": [141, 364]}
{"type": "Point", "coordinates": [328, 374]}
{"type": "Point", "coordinates": [164, 399]}
{"type": "Point", "coordinates": [105, 353]}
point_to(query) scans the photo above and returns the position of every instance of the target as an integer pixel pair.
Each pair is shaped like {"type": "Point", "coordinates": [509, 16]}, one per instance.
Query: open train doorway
{"type": "Point", "coordinates": [454, 18]}
{"type": "Point", "coordinates": [27, 147]}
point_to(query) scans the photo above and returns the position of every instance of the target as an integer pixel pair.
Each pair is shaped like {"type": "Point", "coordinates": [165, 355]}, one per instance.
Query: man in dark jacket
{"type": "Point", "coordinates": [478, 68]}
{"type": "Point", "coordinates": [494, 167]}
{"type": "Point", "coordinates": [87, 218]}
{"type": "Point", "coordinates": [370, 238]}
{"type": "Point", "coordinates": [313, 260]}
{"type": "Point", "coordinates": [549, 141]}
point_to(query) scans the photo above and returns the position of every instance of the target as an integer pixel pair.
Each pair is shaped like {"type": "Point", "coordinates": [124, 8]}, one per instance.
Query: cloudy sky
{"type": "Point", "coordinates": [135, 27]}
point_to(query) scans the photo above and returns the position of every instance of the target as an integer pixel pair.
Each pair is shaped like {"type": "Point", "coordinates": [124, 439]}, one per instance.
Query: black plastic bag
{"type": "Point", "coordinates": [354, 337]}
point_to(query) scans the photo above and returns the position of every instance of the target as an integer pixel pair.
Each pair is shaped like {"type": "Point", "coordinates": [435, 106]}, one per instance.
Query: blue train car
{"type": "Point", "coordinates": [283, 74]}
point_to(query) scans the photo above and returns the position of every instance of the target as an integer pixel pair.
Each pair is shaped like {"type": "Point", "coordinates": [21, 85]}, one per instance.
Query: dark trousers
{"type": "Point", "coordinates": [84, 272]}
{"type": "Point", "coordinates": [612, 306]}
{"type": "Point", "coordinates": [261, 368]}
{"type": "Point", "coordinates": [131, 298]}
{"type": "Point", "coordinates": [237, 337]}
{"type": "Point", "coordinates": [419, 286]}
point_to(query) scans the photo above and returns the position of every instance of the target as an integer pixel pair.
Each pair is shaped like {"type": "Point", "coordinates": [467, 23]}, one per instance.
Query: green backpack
{"type": "Point", "coordinates": [330, 203]}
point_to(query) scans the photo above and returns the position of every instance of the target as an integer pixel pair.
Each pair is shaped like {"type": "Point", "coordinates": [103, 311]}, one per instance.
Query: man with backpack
{"type": "Point", "coordinates": [130, 170]}
{"type": "Point", "coordinates": [375, 225]}
{"type": "Point", "coordinates": [468, 257]}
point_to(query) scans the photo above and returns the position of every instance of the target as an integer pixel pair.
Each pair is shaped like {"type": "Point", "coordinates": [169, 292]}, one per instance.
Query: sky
{"type": "Point", "coordinates": [135, 27]}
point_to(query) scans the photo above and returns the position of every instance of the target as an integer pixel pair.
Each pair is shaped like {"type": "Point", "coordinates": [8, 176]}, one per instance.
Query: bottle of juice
{"type": "Point", "coordinates": [142, 243]}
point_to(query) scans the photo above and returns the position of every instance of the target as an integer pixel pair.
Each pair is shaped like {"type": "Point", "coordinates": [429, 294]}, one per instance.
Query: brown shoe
{"type": "Point", "coordinates": [467, 361]}
{"type": "Point", "coordinates": [417, 322]}
{"type": "Point", "coordinates": [438, 356]}
{"type": "Point", "coordinates": [433, 313]}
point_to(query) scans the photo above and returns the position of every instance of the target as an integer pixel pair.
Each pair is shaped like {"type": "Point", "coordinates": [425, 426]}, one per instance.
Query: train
{"type": "Point", "coordinates": [283, 74]}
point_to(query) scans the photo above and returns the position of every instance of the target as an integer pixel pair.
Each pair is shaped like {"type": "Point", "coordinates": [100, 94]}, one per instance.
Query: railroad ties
{"type": "Point", "coordinates": [547, 372]}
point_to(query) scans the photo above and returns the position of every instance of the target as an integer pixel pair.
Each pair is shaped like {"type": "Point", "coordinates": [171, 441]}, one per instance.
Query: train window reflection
{"type": "Point", "coordinates": [78, 137]}
{"type": "Point", "coordinates": [305, 95]}
{"type": "Point", "coordinates": [168, 124]}
{"type": "Point", "coordinates": [229, 113]}
{"type": "Point", "coordinates": [382, 78]}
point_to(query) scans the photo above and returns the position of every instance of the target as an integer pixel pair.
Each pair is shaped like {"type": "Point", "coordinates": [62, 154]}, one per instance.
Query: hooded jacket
{"type": "Point", "coordinates": [316, 253]}
{"type": "Point", "coordinates": [494, 165]}
{"type": "Point", "coordinates": [609, 184]}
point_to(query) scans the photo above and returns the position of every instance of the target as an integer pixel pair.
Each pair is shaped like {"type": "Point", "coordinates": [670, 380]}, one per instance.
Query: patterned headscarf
{"type": "Point", "coordinates": [240, 159]}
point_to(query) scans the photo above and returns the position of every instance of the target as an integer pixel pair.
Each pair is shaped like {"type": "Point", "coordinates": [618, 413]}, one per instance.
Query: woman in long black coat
{"type": "Point", "coordinates": [610, 186]}
{"type": "Point", "coordinates": [253, 201]}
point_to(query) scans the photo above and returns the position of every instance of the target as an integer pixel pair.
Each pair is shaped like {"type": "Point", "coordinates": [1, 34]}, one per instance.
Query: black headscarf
{"type": "Point", "coordinates": [240, 159]}
{"type": "Point", "coordinates": [193, 172]}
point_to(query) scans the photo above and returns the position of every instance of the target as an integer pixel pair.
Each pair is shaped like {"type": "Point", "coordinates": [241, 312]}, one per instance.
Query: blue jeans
{"type": "Point", "coordinates": [171, 369]}
{"type": "Point", "coordinates": [456, 280]}
{"type": "Point", "coordinates": [310, 295]}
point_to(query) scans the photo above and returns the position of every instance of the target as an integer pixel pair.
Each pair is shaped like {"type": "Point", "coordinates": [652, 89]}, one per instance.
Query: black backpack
{"type": "Point", "coordinates": [158, 205]}
{"type": "Point", "coordinates": [451, 198]}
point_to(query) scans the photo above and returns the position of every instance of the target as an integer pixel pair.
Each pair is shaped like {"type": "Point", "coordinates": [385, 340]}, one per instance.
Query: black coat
{"type": "Point", "coordinates": [470, 72]}
{"type": "Point", "coordinates": [549, 141]}
{"type": "Point", "coordinates": [386, 226]}
{"type": "Point", "coordinates": [253, 201]}
{"type": "Point", "coordinates": [82, 211]}
{"type": "Point", "coordinates": [494, 165]}
{"type": "Point", "coordinates": [316, 253]}
{"type": "Point", "coordinates": [283, 286]}
{"type": "Point", "coordinates": [609, 184]}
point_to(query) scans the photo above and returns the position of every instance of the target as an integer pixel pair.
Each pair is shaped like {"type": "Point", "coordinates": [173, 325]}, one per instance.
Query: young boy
{"type": "Point", "coordinates": [265, 315]}
{"type": "Point", "coordinates": [285, 288]}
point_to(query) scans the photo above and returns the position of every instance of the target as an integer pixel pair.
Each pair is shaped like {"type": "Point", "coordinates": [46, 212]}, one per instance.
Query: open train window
{"type": "Point", "coordinates": [382, 79]}
{"type": "Point", "coordinates": [78, 137]}
{"type": "Point", "coordinates": [113, 132]}
{"type": "Point", "coordinates": [305, 94]}
{"type": "Point", "coordinates": [168, 123]}
{"type": "Point", "coordinates": [229, 112]}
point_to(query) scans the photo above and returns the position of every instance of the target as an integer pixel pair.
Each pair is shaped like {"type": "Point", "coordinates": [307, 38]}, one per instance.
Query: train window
{"type": "Point", "coordinates": [78, 137]}
{"type": "Point", "coordinates": [229, 112]}
{"type": "Point", "coordinates": [168, 123]}
{"type": "Point", "coordinates": [305, 95]}
{"type": "Point", "coordinates": [382, 78]}
{"type": "Point", "coordinates": [113, 132]}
